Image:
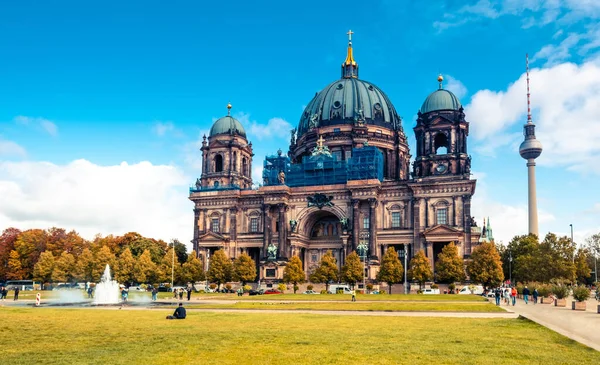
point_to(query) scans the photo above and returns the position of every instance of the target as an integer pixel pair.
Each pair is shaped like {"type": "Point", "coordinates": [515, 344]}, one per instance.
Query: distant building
{"type": "Point", "coordinates": [346, 183]}
{"type": "Point", "coordinates": [486, 232]}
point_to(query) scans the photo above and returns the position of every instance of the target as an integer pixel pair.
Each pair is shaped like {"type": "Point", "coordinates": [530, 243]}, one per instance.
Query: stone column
{"type": "Point", "coordinates": [426, 212]}
{"type": "Point", "coordinates": [225, 226]}
{"type": "Point", "coordinates": [205, 214]}
{"type": "Point", "coordinates": [355, 222]}
{"type": "Point", "coordinates": [266, 228]}
{"type": "Point", "coordinates": [454, 211]}
{"type": "Point", "coordinates": [372, 228]}
{"type": "Point", "coordinates": [282, 251]}
{"type": "Point", "coordinates": [416, 224]}
{"type": "Point", "coordinates": [467, 221]}
{"type": "Point", "coordinates": [196, 229]}
{"type": "Point", "coordinates": [233, 224]}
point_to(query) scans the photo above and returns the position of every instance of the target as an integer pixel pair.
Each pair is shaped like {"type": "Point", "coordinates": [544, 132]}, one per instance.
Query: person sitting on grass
{"type": "Point", "coordinates": [179, 313]}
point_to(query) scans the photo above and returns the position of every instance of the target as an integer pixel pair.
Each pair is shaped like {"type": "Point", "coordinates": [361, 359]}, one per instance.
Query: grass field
{"type": "Point", "coordinates": [97, 336]}
{"type": "Point", "coordinates": [357, 306]}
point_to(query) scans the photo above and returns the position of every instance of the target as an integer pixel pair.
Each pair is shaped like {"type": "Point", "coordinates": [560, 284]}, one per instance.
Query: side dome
{"type": "Point", "coordinates": [440, 100]}
{"type": "Point", "coordinates": [227, 125]}
{"type": "Point", "coordinates": [347, 101]}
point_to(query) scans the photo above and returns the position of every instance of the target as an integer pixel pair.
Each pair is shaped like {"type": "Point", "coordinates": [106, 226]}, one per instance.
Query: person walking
{"type": "Point", "coordinates": [189, 292]}
{"type": "Point", "coordinates": [16, 293]}
{"type": "Point", "coordinates": [535, 295]}
{"type": "Point", "coordinates": [353, 295]}
{"type": "Point", "coordinates": [497, 295]}
{"type": "Point", "coordinates": [3, 293]}
{"type": "Point", "coordinates": [154, 293]}
{"type": "Point", "coordinates": [90, 291]}
{"type": "Point", "coordinates": [506, 296]}
{"type": "Point", "coordinates": [513, 295]}
{"type": "Point", "coordinates": [526, 295]}
{"type": "Point", "coordinates": [180, 293]}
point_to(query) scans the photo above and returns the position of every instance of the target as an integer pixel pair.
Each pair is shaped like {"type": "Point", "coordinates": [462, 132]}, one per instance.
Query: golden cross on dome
{"type": "Point", "coordinates": [350, 32]}
{"type": "Point", "coordinates": [320, 142]}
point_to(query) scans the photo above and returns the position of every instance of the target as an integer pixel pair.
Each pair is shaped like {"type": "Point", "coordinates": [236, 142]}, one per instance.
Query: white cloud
{"type": "Point", "coordinates": [554, 54]}
{"type": "Point", "coordinates": [37, 122]}
{"type": "Point", "coordinates": [149, 199]}
{"type": "Point", "coordinates": [257, 170]}
{"type": "Point", "coordinates": [162, 128]}
{"type": "Point", "coordinates": [192, 153]}
{"type": "Point", "coordinates": [275, 127]}
{"type": "Point", "coordinates": [566, 105]}
{"type": "Point", "coordinates": [456, 86]}
{"type": "Point", "coordinates": [10, 148]}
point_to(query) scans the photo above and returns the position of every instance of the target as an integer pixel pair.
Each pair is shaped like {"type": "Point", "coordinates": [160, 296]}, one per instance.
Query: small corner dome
{"type": "Point", "coordinates": [227, 125]}
{"type": "Point", "coordinates": [440, 100]}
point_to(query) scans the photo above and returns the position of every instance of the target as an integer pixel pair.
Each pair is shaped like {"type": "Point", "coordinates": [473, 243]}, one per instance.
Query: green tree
{"type": "Point", "coordinates": [192, 269]}
{"type": "Point", "coordinates": [582, 268]}
{"type": "Point", "coordinates": [391, 269]}
{"type": "Point", "coordinates": [42, 270]}
{"type": "Point", "coordinates": [352, 271]}
{"type": "Point", "coordinates": [125, 267]}
{"type": "Point", "coordinates": [220, 269]}
{"type": "Point", "coordinates": [29, 245]}
{"type": "Point", "coordinates": [15, 270]}
{"type": "Point", "coordinates": [145, 270]}
{"type": "Point", "coordinates": [165, 272]}
{"type": "Point", "coordinates": [293, 272]}
{"type": "Point", "coordinates": [180, 250]}
{"type": "Point", "coordinates": [525, 255]}
{"type": "Point", "coordinates": [327, 271]}
{"type": "Point", "coordinates": [420, 269]}
{"type": "Point", "coordinates": [103, 257]}
{"type": "Point", "coordinates": [244, 269]}
{"type": "Point", "coordinates": [64, 268]}
{"type": "Point", "coordinates": [85, 266]}
{"type": "Point", "coordinates": [593, 244]}
{"type": "Point", "coordinates": [449, 266]}
{"type": "Point", "coordinates": [485, 266]}
{"type": "Point", "coordinates": [7, 243]}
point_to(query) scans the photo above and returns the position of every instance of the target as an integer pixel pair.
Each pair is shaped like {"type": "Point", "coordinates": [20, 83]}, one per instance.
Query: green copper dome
{"type": "Point", "coordinates": [440, 100]}
{"type": "Point", "coordinates": [227, 125]}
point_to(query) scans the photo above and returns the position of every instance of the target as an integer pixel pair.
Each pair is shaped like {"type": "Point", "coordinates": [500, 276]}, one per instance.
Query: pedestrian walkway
{"type": "Point", "coordinates": [580, 326]}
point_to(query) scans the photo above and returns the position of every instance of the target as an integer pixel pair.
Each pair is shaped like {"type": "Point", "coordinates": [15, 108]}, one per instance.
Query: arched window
{"type": "Point", "coordinates": [218, 163]}
{"type": "Point", "coordinates": [244, 166]}
{"type": "Point", "coordinates": [441, 144]}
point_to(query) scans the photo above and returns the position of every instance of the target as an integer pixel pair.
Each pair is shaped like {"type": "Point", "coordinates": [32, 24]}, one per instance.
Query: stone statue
{"type": "Point", "coordinates": [198, 184]}
{"type": "Point", "coordinates": [281, 177]}
{"type": "Point", "coordinates": [362, 250]}
{"type": "Point", "coordinates": [272, 252]}
{"type": "Point", "coordinates": [344, 222]}
{"type": "Point", "coordinates": [293, 225]}
{"type": "Point", "coordinates": [293, 136]}
{"type": "Point", "coordinates": [314, 123]}
{"type": "Point", "coordinates": [473, 222]}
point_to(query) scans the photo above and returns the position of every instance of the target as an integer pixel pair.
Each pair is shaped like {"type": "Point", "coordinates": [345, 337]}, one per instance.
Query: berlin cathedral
{"type": "Point", "coordinates": [346, 183]}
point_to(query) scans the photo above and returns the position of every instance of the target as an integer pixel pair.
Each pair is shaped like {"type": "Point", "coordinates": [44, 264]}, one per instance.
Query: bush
{"type": "Point", "coordinates": [201, 291]}
{"type": "Point", "coordinates": [144, 286]}
{"type": "Point", "coordinates": [419, 291]}
{"type": "Point", "coordinates": [543, 290]}
{"type": "Point", "coordinates": [452, 286]}
{"type": "Point", "coordinates": [370, 287]}
{"type": "Point", "coordinates": [561, 291]}
{"type": "Point", "coordinates": [213, 286]}
{"type": "Point", "coordinates": [324, 291]}
{"type": "Point", "coordinates": [228, 286]}
{"type": "Point", "coordinates": [296, 287]}
{"type": "Point", "coordinates": [309, 287]}
{"type": "Point", "coordinates": [581, 293]}
{"type": "Point", "coordinates": [247, 288]}
{"type": "Point", "coordinates": [282, 287]}
{"type": "Point", "coordinates": [520, 288]}
{"type": "Point", "coordinates": [381, 291]}
{"type": "Point", "coordinates": [434, 286]}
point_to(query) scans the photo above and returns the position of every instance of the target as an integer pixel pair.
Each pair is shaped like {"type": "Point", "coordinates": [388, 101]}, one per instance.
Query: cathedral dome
{"type": "Point", "coordinates": [347, 101]}
{"type": "Point", "coordinates": [227, 125]}
{"type": "Point", "coordinates": [440, 99]}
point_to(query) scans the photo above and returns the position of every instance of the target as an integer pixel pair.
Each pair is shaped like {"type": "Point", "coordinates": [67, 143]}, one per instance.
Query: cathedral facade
{"type": "Point", "coordinates": [346, 184]}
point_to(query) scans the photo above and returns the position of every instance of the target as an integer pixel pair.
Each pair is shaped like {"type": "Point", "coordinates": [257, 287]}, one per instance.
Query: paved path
{"type": "Point", "coordinates": [583, 327]}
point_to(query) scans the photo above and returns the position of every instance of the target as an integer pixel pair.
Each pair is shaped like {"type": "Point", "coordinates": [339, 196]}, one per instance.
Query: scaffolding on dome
{"type": "Point", "coordinates": [323, 169]}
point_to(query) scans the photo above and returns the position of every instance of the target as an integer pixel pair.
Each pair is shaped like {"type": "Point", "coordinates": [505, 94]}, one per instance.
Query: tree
{"type": "Point", "coordinates": [593, 244]}
{"type": "Point", "coordinates": [449, 266]}
{"type": "Point", "coordinates": [244, 269]}
{"type": "Point", "coordinates": [293, 272]}
{"type": "Point", "coordinates": [220, 268]}
{"type": "Point", "coordinates": [125, 267]}
{"type": "Point", "coordinates": [42, 270]}
{"type": "Point", "coordinates": [391, 269]}
{"type": "Point", "coordinates": [145, 269]}
{"type": "Point", "coordinates": [7, 243]}
{"type": "Point", "coordinates": [64, 268]}
{"type": "Point", "coordinates": [192, 269]}
{"type": "Point", "coordinates": [15, 270]}
{"type": "Point", "coordinates": [85, 266]}
{"type": "Point", "coordinates": [420, 269]}
{"type": "Point", "coordinates": [167, 270]}
{"type": "Point", "coordinates": [352, 271]}
{"type": "Point", "coordinates": [327, 271]}
{"type": "Point", "coordinates": [29, 245]}
{"type": "Point", "coordinates": [582, 268]}
{"type": "Point", "coordinates": [485, 266]}
{"type": "Point", "coordinates": [180, 250]}
{"type": "Point", "coordinates": [103, 257]}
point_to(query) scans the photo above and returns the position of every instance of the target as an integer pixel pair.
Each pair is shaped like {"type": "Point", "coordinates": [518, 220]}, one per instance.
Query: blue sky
{"type": "Point", "coordinates": [102, 107]}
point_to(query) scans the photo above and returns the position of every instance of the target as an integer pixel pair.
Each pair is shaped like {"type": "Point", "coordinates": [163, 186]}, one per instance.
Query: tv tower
{"type": "Point", "coordinates": [530, 149]}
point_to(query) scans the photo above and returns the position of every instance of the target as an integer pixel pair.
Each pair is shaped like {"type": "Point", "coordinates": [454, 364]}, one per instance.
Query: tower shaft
{"type": "Point", "coordinates": [533, 214]}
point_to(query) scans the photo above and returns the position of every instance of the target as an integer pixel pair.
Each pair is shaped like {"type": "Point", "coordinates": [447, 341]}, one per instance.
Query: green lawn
{"type": "Point", "coordinates": [98, 336]}
{"type": "Point", "coordinates": [342, 297]}
{"type": "Point", "coordinates": [357, 306]}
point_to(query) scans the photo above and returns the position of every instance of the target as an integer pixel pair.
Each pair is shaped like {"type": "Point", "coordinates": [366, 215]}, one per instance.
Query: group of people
{"type": "Point", "coordinates": [4, 293]}
{"type": "Point", "coordinates": [509, 294]}
{"type": "Point", "coordinates": [179, 293]}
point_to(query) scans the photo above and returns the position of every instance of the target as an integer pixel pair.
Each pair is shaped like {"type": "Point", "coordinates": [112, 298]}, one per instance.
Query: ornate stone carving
{"type": "Point", "coordinates": [319, 200]}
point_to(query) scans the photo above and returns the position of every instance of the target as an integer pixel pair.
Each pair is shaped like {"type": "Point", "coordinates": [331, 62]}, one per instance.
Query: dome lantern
{"type": "Point", "coordinates": [349, 67]}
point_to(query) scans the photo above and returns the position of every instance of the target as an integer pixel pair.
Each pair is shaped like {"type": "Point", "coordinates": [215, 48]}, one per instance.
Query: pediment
{"type": "Point", "coordinates": [442, 232]}
{"type": "Point", "coordinates": [211, 236]}
{"type": "Point", "coordinates": [441, 119]}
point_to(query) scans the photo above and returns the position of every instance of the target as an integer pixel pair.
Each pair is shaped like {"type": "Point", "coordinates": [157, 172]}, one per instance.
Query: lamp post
{"type": "Point", "coordinates": [404, 255]}
{"type": "Point", "coordinates": [510, 267]}
{"type": "Point", "coordinates": [571, 225]}
{"type": "Point", "coordinates": [173, 265]}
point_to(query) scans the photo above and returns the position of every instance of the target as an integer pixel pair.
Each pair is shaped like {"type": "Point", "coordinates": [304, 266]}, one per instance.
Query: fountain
{"type": "Point", "coordinates": [107, 290]}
